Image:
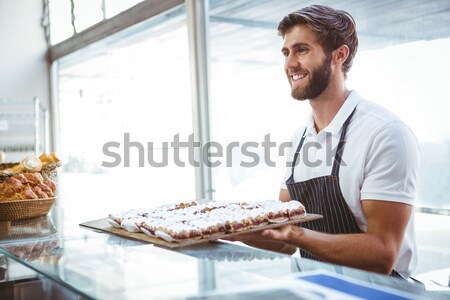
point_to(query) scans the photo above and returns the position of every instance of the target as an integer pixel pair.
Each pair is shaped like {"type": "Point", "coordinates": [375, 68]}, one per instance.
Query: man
{"type": "Point", "coordinates": [366, 191]}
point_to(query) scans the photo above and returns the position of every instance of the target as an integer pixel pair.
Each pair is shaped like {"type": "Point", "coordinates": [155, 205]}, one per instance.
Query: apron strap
{"type": "Point", "coordinates": [338, 155]}
{"type": "Point", "coordinates": [294, 162]}
{"type": "Point", "coordinates": [340, 147]}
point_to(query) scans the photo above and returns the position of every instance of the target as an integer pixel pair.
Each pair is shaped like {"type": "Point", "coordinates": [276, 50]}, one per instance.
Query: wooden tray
{"type": "Point", "coordinates": [103, 226]}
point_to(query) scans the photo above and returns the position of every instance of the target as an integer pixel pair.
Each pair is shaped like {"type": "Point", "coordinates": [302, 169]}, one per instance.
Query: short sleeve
{"type": "Point", "coordinates": [391, 166]}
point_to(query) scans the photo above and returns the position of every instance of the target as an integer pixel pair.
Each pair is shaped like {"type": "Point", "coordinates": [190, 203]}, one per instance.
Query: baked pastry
{"type": "Point", "coordinates": [27, 186]}
{"type": "Point", "coordinates": [193, 221]}
{"type": "Point", "coordinates": [25, 180]}
{"type": "Point", "coordinates": [48, 158]}
{"type": "Point", "coordinates": [28, 164]}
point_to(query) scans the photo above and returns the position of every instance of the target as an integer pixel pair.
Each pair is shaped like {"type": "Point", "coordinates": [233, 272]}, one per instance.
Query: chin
{"type": "Point", "coordinates": [300, 99]}
{"type": "Point", "coordinates": [298, 96]}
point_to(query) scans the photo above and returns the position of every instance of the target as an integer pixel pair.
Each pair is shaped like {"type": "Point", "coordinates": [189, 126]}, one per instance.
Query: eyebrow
{"type": "Point", "coordinates": [296, 45]}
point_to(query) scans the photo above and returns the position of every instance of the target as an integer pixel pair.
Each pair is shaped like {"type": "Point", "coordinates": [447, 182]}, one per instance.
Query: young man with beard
{"type": "Point", "coordinates": [366, 192]}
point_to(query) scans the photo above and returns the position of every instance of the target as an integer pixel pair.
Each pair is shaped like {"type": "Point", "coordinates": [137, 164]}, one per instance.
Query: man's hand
{"type": "Point", "coordinates": [269, 239]}
{"type": "Point", "coordinates": [281, 234]}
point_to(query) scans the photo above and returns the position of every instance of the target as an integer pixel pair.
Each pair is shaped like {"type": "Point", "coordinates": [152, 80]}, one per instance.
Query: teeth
{"type": "Point", "coordinates": [298, 76]}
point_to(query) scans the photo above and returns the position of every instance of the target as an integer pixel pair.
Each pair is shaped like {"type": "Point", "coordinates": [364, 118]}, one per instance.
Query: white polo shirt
{"type": "Point", "coordinates": [380, 161]}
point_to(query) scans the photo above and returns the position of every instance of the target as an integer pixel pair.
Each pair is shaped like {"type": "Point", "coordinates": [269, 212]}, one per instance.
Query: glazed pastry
{"type": "Point", "coordinates": [193, 221]}
{"type": "Point", "coordinates": [26, 186]}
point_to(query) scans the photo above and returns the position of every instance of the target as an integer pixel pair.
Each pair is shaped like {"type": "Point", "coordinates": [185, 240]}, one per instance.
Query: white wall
{"type": "Point", "coordinates": [23, 67]}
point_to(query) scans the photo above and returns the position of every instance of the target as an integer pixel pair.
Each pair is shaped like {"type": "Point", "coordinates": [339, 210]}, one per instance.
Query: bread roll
{"type": "Point", "coordinates": [48, 158]}
{"type": "Point", "coordinates": [28, 164]}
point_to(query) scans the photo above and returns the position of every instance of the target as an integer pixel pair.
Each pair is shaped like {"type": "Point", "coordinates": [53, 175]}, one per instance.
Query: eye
{"type": "Point", "coordinates": [285, 53]}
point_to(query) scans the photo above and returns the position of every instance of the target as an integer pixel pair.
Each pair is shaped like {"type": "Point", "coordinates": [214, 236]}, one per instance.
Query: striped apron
{"type": "Point", "coordinates": [323, 195]}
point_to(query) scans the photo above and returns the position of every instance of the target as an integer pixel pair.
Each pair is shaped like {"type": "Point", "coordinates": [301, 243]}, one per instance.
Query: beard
{"type": "Point", "coordinates": [319, 79]}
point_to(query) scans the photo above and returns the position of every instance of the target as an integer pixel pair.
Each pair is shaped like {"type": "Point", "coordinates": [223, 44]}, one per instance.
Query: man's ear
{"type": "Point", "coordinates": [341, 54]}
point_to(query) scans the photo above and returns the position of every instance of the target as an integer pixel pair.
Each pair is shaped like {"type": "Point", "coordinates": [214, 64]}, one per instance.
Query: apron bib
{"type": "Point", "coordinates": [323, 195]}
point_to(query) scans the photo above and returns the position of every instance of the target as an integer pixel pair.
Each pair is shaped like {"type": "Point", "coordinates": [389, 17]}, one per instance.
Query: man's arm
{"type": "Point", "coordinates": [375, 251]}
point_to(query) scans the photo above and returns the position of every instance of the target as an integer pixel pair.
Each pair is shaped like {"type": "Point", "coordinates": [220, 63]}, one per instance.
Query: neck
{"type": "Point", "coordinates": [326, 106]}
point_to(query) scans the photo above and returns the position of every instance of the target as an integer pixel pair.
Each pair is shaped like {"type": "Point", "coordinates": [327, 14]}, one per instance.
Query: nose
{"type": "Point", "coordinates": [291, 62]}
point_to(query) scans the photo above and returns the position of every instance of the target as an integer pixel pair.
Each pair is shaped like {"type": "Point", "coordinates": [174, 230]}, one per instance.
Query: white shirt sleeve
{"type": "Point", "coordinates": [392, 165]}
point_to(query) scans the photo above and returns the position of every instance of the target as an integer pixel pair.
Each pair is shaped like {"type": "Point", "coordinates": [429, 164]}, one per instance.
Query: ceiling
{"type": "Point", "coordinates": [379, 23]}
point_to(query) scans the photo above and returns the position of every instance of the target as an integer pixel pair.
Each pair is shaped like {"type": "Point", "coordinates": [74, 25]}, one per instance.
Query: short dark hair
{"type": "Point", "coordinates": [333, 27]}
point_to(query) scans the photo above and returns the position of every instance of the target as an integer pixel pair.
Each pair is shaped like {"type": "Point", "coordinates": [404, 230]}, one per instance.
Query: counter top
{"type": "Point", "coordinates": [101, 266]}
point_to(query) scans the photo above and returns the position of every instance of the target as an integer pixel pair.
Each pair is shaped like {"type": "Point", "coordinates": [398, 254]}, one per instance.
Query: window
{"type": "Point", "coordinates": [250, 102]}
{"type": "Point", "coordinates": [83, 14]}
{"type": "Point", "coordinates": [130, 88]}
{"type": "Point", "coordinates": [60, 19]}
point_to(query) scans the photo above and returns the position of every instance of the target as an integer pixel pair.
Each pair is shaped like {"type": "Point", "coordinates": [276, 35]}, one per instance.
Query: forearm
{"type": "Point", "coordinates": [364, 251]}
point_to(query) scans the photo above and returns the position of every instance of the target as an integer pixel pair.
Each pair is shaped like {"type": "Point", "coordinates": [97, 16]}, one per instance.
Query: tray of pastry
{"type": "Point", "coordinates": [190, 223]}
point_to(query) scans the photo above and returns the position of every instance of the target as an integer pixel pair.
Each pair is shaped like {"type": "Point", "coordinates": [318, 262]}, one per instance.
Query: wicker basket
{"type": "Point", "coordinates": [24, 209]}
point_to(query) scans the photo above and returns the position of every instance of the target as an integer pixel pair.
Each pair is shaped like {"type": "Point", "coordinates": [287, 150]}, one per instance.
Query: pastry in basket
{"type": "Point", "coordinates": [32, 164]}
{"type": "Point", "coordinates": [27, 186]}
{"type": "Point", "coordinates": [29, 164]}
{"type": "Point", "coordinates": [29, 179]}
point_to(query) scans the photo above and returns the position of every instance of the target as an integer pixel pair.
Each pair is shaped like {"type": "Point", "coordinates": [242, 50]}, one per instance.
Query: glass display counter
{"type": "Point", "coordinates": [101, 266]}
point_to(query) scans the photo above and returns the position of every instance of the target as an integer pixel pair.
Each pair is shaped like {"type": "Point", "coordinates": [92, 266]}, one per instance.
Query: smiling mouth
{"type": "Point", "coordinates": [296, 77]}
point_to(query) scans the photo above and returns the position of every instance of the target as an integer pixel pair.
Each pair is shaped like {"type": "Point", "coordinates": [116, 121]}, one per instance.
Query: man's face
{"type": "Point", "coordinates": [307, 67]}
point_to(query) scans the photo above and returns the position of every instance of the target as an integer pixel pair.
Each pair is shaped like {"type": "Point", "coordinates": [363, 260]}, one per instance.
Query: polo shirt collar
{"type": "Point", "coordinates": [339, 119]}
